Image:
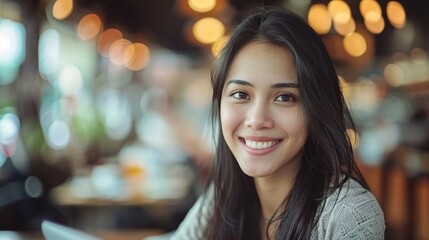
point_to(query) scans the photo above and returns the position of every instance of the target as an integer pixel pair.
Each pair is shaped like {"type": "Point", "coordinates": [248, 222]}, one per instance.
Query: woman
{"type": "Point", "coordinates": [284, 167]}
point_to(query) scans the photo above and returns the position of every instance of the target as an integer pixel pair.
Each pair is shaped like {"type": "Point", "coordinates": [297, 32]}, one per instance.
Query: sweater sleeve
{"type": "Point", "coordinates": [195, 222]}
{"type": "Point", "coordinates": [355, 215]}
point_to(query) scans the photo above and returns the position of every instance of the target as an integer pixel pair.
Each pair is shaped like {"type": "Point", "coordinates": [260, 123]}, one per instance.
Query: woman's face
{"type": "Point", "coordinates": [261, 116]}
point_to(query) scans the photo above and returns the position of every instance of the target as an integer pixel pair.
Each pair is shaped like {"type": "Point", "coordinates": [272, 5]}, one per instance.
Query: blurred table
{"type": "Point", "coordinates": [105, 234]}
{"type": "Point", "coordinates": [63, 195]}
{"type": "Point", "coordinates": [87, 209]}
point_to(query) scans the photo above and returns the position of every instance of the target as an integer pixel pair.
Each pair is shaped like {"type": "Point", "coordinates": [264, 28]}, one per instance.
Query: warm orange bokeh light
{"type": "Point", "coordinates": [117, 52]}
{"type": "Point", "coordinates": [370, 9]}
{"type": "Point", "coordinates": [202, 6]}
{"type": "Point", "coordinates": [136, 56]}
{"type": "Point", "coordinates": [319, 18]}
{"type": "Point", "coordinates": [396, 14]}
{"type": "Point", "coordinates": [345, 29]}
{"type": "Point", "coordinates": [339, 11]}
{"type": "Point", "coordinates": [375, 27]}
{"type": "Point", "coordinates": [355, 44]}
{"type": "Point", "coordinates": [89, 27]}
{"type": "Point", "coordinates": [208, 30]}
{"type": "Point", "coordinates": [106, 40]}
{"type": "Point", "coordinates": [62, 9]}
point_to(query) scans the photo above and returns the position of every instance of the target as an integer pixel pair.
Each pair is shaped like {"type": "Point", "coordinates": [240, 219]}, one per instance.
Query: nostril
{"type": "Point", "coordinates": [259, 123]}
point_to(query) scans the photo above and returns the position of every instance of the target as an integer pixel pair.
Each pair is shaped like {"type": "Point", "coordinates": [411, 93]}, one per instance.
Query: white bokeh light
{"type": "Point", "coordinates": [70, 79]}
{"type": "Point", "coordinates": [49, 54]}
{"type": "Point", "coordinates": [9, 128]}
{"type": "Point", "coordinates": [58, 134]}
{"type": "Point", "coordinates": [11, 42]}
{"type": "Point", "coordinates": [115, 111]}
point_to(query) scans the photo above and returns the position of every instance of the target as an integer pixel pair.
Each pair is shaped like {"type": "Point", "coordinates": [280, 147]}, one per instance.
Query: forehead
{"type": "Point", "coordinates": [260, 60]}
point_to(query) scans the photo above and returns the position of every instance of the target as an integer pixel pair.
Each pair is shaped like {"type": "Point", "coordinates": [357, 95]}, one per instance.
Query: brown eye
{"type": "Point", "coordinates": [240, 95]}
{"type": "Point", "coordinates": [285, 98]}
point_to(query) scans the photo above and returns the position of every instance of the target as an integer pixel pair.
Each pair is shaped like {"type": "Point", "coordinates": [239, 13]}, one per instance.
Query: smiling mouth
{"type": "Point", "coordinates": [260, 144]}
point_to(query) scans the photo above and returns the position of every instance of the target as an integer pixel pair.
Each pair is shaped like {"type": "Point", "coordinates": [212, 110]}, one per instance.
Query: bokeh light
{"type": "Point", "coordinates": [136, 56]}
{"type": "Point", "coordinates": [89, 27]}
{"type": "Point", "coordinates": [106, 40]}
{"type": "Point", "coordinates": [202, 6]}
{"type": "Point", "coordinates": [58, 134]}
{"type": "Point", "coordinates": [115, 112]}
{"type": "Point", "coordinates": [70, 80]}
{"type": "Point", "coordinates": [9, 128]}
{"type": "Point", "coordinates": [208, 30]}
{"type": "Point", "coordinates": [355, 44]}
{"type": "Point", "coordinates": [394, 75]}
{"type": "Point", "coordinates": [396, 14]}
{"type": "Point", "coordinates": [370, 10]}
{"type": "Point", "coordinates": [339, 11]}
{"type": "Point", "coordinates": [365, 94]}
{"type": "Point", "coordinates": [33, 187]}
{"type": "Point", "coordinates": [49, 54]}
{"type": "Point", "coordinates": [374, 26]}
{"type": "Point", "coordinates": [11, 42]}
{"type": "Point", "coordinates": [62, 9]}
{"type": "Point", "coordinates": [12, 49]}
{"type": "Point", "coordinates": [117, 52]}
{"type": "Point", "coordinates": [345, 29]}
{"type": "Point", "coordinates": [319, 18]}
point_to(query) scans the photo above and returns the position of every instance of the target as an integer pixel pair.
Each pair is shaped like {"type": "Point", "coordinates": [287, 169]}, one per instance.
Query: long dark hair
{"type": "Point", "coordinates": [328, 155]}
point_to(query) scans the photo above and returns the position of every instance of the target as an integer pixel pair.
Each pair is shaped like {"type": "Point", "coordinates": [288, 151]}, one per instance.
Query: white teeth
{"type": "Point", "coordinates": [259, 145]}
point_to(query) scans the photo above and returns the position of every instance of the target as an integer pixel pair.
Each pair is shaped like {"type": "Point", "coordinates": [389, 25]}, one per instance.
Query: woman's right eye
{"type": "Point", "coordinates": [240, 95]}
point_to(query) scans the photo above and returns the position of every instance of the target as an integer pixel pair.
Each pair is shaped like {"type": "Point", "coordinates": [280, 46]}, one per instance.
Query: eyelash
{"type": "Point", "coordinates": [234, 95]}
{"type": "Point", "coordinates": [290, 97]}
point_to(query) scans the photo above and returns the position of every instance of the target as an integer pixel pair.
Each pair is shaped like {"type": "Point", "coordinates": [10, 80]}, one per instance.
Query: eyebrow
{"type": "Point", "coordinates": [276, 85]}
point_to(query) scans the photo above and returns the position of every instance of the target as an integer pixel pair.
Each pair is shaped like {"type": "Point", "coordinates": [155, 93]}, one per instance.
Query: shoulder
{"type": "Point", "coordinates": [192, 227]}
{"type": "Point", "coordinates": [351, 212]}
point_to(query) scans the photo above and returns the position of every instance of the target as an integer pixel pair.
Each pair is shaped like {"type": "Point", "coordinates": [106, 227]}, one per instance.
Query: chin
{"type": "Point", "coordinates": [255, 173]}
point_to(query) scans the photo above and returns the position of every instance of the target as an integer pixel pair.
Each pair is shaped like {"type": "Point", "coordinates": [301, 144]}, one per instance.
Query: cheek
{"type": "Point", "coordinates": [230, 120]}
{"type": "Point", "coordinates": [301, 125]}
{"type": "Point", "coordinates": [294, 123]}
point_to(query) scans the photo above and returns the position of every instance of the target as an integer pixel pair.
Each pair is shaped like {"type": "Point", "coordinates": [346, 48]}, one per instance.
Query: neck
{"type": "Point", "coordinates": [273, 189]}
{"type": "Point", "coordinates": [271, 195]}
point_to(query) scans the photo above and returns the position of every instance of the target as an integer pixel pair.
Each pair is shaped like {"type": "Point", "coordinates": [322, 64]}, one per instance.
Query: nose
{"type": "Point", "coordinates": [258, 117]}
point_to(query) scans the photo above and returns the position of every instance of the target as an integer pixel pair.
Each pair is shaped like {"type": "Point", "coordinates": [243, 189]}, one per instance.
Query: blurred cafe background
{"type": "Point", "coordinates": [104, 106]}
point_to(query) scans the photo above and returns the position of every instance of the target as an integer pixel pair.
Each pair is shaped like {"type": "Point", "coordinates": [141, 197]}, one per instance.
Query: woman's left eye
{"type": "Point", "coordinates": [285, 98]}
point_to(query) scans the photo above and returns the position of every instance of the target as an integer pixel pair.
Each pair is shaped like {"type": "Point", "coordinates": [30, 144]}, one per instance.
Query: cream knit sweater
{"type": "Point", "coordinates": [355, 214]}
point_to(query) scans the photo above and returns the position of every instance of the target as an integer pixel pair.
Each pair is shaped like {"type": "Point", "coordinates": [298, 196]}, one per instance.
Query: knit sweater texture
{"type": "Point", "coordinates": [349, 213]}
